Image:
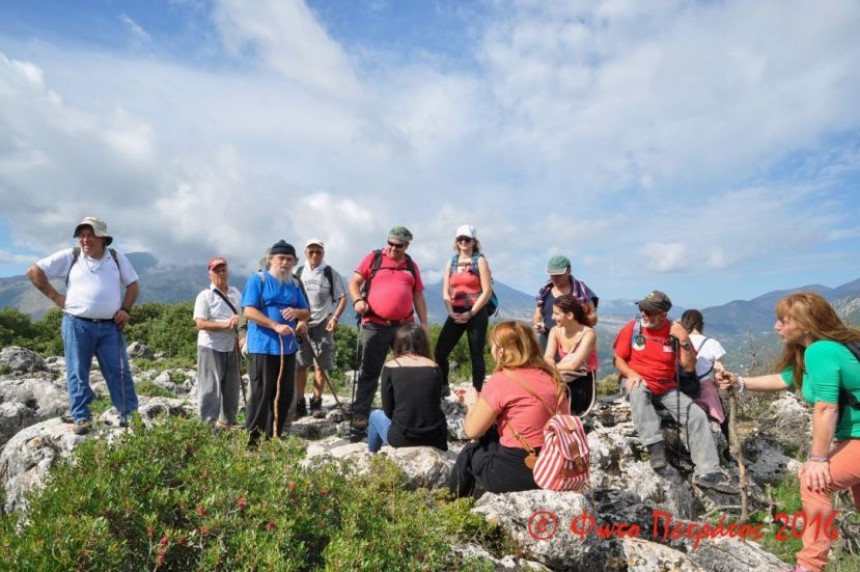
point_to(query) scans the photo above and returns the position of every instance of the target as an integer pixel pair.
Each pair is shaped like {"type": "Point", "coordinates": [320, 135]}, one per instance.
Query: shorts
{"type": "Point", "coordinates": [323, 344]}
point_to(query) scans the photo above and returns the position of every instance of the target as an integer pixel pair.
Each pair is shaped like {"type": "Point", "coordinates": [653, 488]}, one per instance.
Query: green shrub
{"type": "Point", "coordinates": [149, 388]}
{"type": "Point", "coordinates": [178, 497]}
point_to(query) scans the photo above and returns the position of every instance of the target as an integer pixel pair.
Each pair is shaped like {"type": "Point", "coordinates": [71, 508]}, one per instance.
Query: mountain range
{"type": "Point", "coordinates": [744, 327]}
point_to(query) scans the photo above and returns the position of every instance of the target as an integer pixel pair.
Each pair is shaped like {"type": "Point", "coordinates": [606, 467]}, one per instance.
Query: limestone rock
{"type": "Point", "coordinates": [138, 350]}
{"type": "Point", "coordinates": [21, 360]}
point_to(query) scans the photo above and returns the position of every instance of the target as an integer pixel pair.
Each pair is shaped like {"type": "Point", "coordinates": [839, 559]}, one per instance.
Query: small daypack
{"type": "Point", "coordinates": [846, 398]}
{"type": "Point", "coordinates": [562, 464]}
{"type": "Point", "coordinates": [493, 303]}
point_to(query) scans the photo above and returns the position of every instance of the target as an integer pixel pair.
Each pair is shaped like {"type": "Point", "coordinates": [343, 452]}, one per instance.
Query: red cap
{"type": "Point", "coordinates": [217, 261]}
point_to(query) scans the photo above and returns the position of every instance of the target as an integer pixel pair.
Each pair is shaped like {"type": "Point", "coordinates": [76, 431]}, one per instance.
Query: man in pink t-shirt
{"type": "Point", "coordinates": [387, 292]}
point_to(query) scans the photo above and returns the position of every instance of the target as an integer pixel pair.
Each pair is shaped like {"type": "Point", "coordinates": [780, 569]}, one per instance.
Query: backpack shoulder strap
{"type": "Point", "coordinates": [76, 253]}
{"type": "Point", "coordinates": [454, 260]}
{"type": "Point", "coordinates": [410, 265]}
{"type": "Point", "coordinates": [329, 275]}
{"type": "Point", "coordinates": [475, 257]}
{"type": "Point", "coordinates": [846, 398]}
{"type": "Point", "coordinates": [299, 270]}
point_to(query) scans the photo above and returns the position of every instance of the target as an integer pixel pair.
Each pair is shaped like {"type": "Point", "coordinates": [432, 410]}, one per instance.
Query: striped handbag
{"type": "Point", "coordinates": [562, 464]}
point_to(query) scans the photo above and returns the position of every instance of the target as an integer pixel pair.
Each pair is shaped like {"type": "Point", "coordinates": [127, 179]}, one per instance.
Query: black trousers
{"type": "Point", "coordinates": [376, 340]}
{"type": "Point", "coordinates": [263, 371]}
{"type": "Point", "coordinates": [581, 393]}
{"type": "Point", "coordinates": [476, 330]}
{"type": "Point", "coordinates": [497, 468]}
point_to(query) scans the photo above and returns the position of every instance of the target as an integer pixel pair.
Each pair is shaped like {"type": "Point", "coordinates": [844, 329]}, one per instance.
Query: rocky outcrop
{"type": "Point", "coordinates": [24, 402]}
{"type": "Point", "coordinates": [21, 360]}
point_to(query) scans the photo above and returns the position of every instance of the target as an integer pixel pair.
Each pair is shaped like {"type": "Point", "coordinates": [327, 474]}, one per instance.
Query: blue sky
{"type": "Point", "coordinates": [708, 149]}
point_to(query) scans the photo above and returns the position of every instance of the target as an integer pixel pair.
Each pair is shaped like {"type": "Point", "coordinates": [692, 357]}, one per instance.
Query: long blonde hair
{"type": "Point", "coordinates": [813, 314]}
{"type": "Point", "coordinates": [521, 350]}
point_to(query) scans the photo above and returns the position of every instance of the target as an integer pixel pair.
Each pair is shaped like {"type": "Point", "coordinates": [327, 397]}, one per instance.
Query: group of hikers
{"type": "Point", "coordinates": [542, 368]}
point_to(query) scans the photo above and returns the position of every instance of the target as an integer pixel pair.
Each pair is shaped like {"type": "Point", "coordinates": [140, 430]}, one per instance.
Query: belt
{"type": "Point", "coordinates": [92, 320]}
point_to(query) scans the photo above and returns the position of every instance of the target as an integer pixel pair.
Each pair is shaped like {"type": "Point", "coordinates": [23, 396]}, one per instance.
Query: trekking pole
{"type": "Point", "coordinates": [241, 381]}
{"type": "Point", "coordinates": [316, 359]}
{"type": "Point", "coordinates": [739, 451]}
{"type": "Point", "coordinates": [357, 368]}
{"type": "Point", "coordinates": [122, 414]}
{"type": "Point", "coordinates": [275, 432]}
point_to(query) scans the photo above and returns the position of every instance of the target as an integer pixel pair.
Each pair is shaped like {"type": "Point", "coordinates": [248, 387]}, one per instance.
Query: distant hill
{"type": "Point", "coordinates": [744, 327]}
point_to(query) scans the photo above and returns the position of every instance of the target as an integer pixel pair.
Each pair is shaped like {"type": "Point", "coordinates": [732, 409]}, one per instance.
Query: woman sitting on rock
{"type": "Point", "coordinates": [570, 347]}
{"type": "Point", "coordinates": [411, 413]}
{"type": "Point", "coordinates": [816, 361]}
{"type": "Point", "coordinates": [517, 398]}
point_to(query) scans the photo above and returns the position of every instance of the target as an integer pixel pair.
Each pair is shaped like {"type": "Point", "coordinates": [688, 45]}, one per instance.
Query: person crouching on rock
{"type": "Point", "coordinates": [571, 348]}
{"type": "Point", "coordinates": [518, 396]}
{"type": "Point", "coordinates": [411, 413]}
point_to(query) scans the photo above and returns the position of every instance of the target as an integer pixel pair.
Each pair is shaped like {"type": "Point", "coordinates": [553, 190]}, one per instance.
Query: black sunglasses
{"type": "Point", "coordinates": [398, 244]}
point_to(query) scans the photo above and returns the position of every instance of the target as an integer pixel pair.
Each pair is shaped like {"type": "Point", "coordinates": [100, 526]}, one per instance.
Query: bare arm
{"type": "Point", "coordinates": [40, 281]}
{"type": "Point", "coordinates": [591, 314]}
{"type": "Point", "coordinates": [355, 283]}
{"type": "Point", "coordinates": [688, 356]}
{"type": "Point", "coordinates": [771, 382]}
{"type": "Point", "coordinates": [421, 308]}
{"type": "Point", "coordinates": [815, 475]}
{"type": "Point", "coordinates": [551, 347]}
{"type": "Point", "coordinates": [486, 284]}
{"type": "Point", "coordinates": [537, 320]}
{"type": "Point", "coordinates": [583, 350]}
{"type": "Point", "coordinates": [479, 419]}
{"type": "Point", "coordinates": [632, 377]}
{"type": "Point", "coordinates": [212, 326]}
{"type": "Point", "coordinates": [338, 312]}
{"type": "Point", "coordinates": [446, 290]}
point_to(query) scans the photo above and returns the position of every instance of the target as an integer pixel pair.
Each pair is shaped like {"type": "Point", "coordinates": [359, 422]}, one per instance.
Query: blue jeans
{"type": "Point", "coordinates": [81, 341]}
{"type": "Point", "coordinates": [377, 430]}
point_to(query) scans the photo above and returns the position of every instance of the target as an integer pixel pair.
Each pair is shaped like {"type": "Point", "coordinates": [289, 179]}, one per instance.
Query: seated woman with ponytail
{"type": "Point", "coordinates": [506, 409]}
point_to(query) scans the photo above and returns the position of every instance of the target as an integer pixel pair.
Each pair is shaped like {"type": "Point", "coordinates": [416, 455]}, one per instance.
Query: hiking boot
{"type": "Point", "coordinates": [657, 455]}
{"type": "Point", "coordinates": [301, 408]}
{"type": "Point", "coordinates": [359, 423]}
{"type": "Point", "coordinates": [316, 407]}
{"type": "Point", "coordinates": [716, 481]}
{"type": "Point", "coordinates": [82, 427]}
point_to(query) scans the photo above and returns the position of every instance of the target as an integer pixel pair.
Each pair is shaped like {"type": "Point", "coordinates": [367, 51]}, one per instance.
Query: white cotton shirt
{"type": "Point", "coordinates": [210, 306]}
{"type": "Point", "coordinates": [706, 354]}
{"type": "Point", "coordinates": [96, 286]}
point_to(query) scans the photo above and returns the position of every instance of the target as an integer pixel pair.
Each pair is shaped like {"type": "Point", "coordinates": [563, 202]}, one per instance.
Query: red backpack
{"type": "Point", "coordinates": [562, 464]}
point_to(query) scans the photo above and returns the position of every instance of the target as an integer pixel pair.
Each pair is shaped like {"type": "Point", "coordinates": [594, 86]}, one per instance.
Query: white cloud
{"type": "Point", "coordinates": [667, 138]}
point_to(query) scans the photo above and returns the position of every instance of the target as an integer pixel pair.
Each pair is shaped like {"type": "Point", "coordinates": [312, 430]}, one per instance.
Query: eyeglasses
{"type": "Point", "coordinates": [315, 252]}
{"type": "Point", "coordinates": [464, 239]}
{"type": "Point", "coordinates": [398, 244]}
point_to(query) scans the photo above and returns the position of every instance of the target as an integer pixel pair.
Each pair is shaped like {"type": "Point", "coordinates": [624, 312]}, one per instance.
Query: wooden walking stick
{"type": "Point", "coordinates": [277, 402]}
{"type": "Point", "coordinates": [737, 446]}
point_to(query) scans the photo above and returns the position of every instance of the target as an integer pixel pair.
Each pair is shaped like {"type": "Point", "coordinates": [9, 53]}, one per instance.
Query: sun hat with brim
{"type": "Point", "coordinates": [400, 233]}
{"type": "Point", "coordinates": [655, 301]}
{"type": "Point", "coordinates": [98, 227]}
{"type": "Point", "coordinates": [557, 265]}
{"type": "Point", "coordinates": [314, 242]}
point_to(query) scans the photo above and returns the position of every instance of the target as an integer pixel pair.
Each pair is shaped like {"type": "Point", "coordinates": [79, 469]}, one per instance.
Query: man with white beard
{"type": "Point", "coordinates": [273, 303]}
{"type": "Point", "coordinates": [645, 356]}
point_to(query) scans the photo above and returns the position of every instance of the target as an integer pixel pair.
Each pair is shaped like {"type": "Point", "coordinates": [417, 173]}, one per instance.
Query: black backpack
{"type": "Point", "coordinates": [493, 302]}
{"type": "Point", "coordinates": [846, 398]}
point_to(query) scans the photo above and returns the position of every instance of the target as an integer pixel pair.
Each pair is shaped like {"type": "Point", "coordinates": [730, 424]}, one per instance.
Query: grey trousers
{"type": "Point", "coordinates": [693, 421]}
{"type": "Point", "coordinates": [217, 385]}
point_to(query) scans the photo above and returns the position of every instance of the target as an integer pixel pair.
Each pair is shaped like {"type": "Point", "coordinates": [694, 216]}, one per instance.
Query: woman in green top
{"type": "Point", "coordinates": [816, 360]}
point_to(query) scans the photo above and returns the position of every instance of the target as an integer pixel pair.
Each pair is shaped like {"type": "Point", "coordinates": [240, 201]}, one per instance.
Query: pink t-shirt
{"type": "Point", "coordinates": [391, 290]}
{"type": "Point", "coordinates": [514, 405]}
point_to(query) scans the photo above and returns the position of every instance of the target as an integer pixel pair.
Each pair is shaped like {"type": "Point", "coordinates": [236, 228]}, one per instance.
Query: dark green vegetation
{"type": "Point", "coordinates": [178, 497]}
{"type": "Point", "coordinates": [169, 329]}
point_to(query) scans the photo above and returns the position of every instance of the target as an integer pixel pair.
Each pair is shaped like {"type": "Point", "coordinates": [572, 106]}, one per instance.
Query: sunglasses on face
{"type": "Point", "coordinates": [397, 244]}
{"type": "Point", "coordinates": [464, 239]}
{"type": "Point", "coordinates": [314, 252]}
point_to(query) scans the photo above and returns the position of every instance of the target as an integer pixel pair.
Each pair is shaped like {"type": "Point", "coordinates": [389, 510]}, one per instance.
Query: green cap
{"type": "Point", "coordinates": [655, 301]}
{"type": "Point", "coordinates": [400, 233]}
{"type": "Point", "coordinates": [557, 265]}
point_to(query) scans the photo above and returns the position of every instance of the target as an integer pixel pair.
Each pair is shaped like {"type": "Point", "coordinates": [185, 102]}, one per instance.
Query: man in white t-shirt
{"type": "Point", "coordinates": [216, 313]}
{"type": "Point", "coordinates": [327, 299]}
{"type": "Point", "coordinates": [101, 288]}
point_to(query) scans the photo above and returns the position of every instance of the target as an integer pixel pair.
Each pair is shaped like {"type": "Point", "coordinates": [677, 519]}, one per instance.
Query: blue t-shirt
{"type": "Point", "coordinates": [829, 367]}
{"type": "Point", "coordinates": [270, 297]}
